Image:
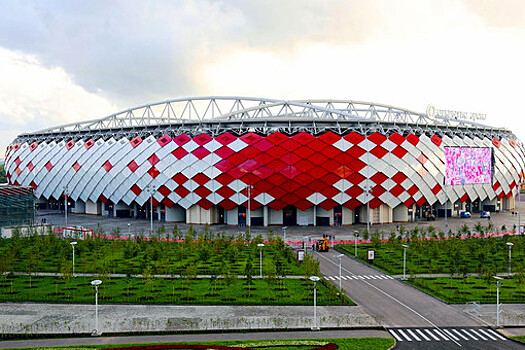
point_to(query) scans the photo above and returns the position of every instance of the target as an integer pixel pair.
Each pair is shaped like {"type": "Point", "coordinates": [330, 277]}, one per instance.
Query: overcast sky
{"type": "Point", "coordinates": [65, 61]}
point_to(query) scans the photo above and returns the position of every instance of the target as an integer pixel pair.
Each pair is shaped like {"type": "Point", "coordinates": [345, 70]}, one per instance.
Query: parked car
{"type": "Point", "coordinates": [431, 217]}
{"type": "Point", "coordinates": [485, 214]}
{"type": "Point", "coordinates": [465, 214]}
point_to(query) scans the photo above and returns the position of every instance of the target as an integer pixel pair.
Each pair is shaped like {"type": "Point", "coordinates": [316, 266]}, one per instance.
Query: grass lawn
{"type": "Point", "coordinates": [519, 337]}
{"type": "Point", "coordinates": [299, 344]}
{"type": "Point", "coordinates": [485, 256]}
{"type": "Point", "coordinates": [132, 290]}
{"type": "Point", "coordinates": [462, 290]}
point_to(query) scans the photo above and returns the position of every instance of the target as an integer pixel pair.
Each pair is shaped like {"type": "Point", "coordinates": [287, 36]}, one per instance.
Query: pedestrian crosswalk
{"type": "Point", "coordinates": [359, 277]}
{"type": "Point", "coordinates": [445, 334]}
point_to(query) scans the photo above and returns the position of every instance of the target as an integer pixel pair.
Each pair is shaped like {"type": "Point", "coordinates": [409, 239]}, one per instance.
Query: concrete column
{"type": "Point", "coordinates": [315, 215]}
{"type": "Point", "coordinates": [265, 216]}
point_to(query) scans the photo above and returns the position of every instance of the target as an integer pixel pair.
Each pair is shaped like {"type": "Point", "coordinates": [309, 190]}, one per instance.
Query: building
{"type": "Point", "coordinates": [17, 206]}
{"type": "Point", "coordinates": [271, 162]}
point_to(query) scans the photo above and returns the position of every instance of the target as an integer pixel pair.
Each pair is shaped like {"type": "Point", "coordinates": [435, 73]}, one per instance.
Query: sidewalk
{"type": "Point", "coordinates": [35, 318]}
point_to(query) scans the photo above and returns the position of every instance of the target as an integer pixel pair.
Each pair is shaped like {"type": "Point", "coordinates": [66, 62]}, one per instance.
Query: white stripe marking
{"type": "Point", "coordinates": [432, 334]}
{"type": "Point", "coordinates": [337, 278]}
{"type": "Point", "coordinates": [390, 277]}
{"type": "Point", "coordinates": [487, 334]}
{"type": "Point", "coordinates": [470, 335]}
{"type": "Point", "coordinates": [423, 335]}
{"type": "Point", "coordinates": [450, 334]}
{"type": "Point", "coordinates": [366, 277]}
{"type": "Point", "coordinates": [458, 333]}
{"type": "Point", "coordinates": [479, 335]}
{"type": "Point", "coordinates": [404, 335]}
{"type": "Point", "coordinates": [398, 338]}
{"type": "Point", "coordinates": [343, 278]}
{"type": "Point", "coordinates": [361, 277]}
{"type": "Point", "coordinates": [373, 277]}
{"type": "Point", "coordinates": [496, 334]}
{"type": "Point", "coordinates": [413, 334]}
{"type": "Point", "coordinates": [441, 334]}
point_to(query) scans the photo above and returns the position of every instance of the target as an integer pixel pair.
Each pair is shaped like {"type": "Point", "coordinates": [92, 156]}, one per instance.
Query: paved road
{"type": "Point", "coordinates": [415, 319]}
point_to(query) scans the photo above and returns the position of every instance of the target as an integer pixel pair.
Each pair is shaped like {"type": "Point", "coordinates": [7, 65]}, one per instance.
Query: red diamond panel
{"type": "Point", "coordinates": [277, 205]}
{"type": "Point", "coordinates": [202, 139]}
{"type": "Point", "coordinates": [357, 165]}
{"type": "Point", "coordinates": [422, 159]}
{"type": "Point", "coordinates": [304, 192]}
{"type": "Point", "coordinates": [317, 185]}
{"type": "Point", "coordinates": [356, 178]}
{"type": "Point", "coordinates": [181, 191]}
{"type": "Point", "coordinates": [421, 201]}
{"type": "Point", "coordinates": [30, 166]}
{"type": "Point", "coordinates": [136, 189]}
{"type": "Point", "coordinates": [413, 139]}
{"type": "Point", "coordinates": [179, 152]}
{"type": "Point", "coordinates": [263, 159]}
{"type": "Point", "coordinates": [249, 179]}
{"type": "Point", "coordinates": [164, 140]}
{"type": "Point", "coordinates": [328, 204]}
{"type": "Point", "coordinates": [291, 186]}
{"type": "Point", "coordinates": [33, 146]}
{"type": "Point", "coordinates": [153, 159]}
{"type": "Point", "coordinates": [354, 138]}
{"type": "Point", "coordinates": [290, 145]}
{"type": "Point", "coordinates": [205, 204]}
{"type": "Point", "coordinates": [397, 190]}
{"type": "Point", "coordinates": [181, 139]}
{"type": "Point", "coordinates": [236, 172]}
{"type": "Point", "coordinates": [496, 142]}
{"type": "Point", "coordinates": [334, 153]}
{"type": "Point", "coordinates": [277, 192]}
{"type": "Point", "coordinates": [200, 152]}
{"type": "Point", "coordinates": [377, 138]}
{"type": "Point", "coordinates": [224, 152]}
{"type": "Point", "coordinates": [464, 198]}
{"type": "Point", "coordinates": [263, 172]}
{"type": "Point", "coordinates": [276, 165]}
{"type": "Point", "coordinates": [374, 203]}
{"type": "Point", "coordinates": [399, 152]}
{"type": "Point", "coordinates": [436, 189]}
{"type": "Point", "coordinates": [135, 141]}
{"type": "Point", "coordinates": [224, 165]}
{"type": "Point", "coordinates": [352, 204]}
{"type": "Point", "coordinates": [399, 178]}
{"type": "Point", "coordinates": [250, 152]}
{"type": "Point", "coordinates": [224, 179]}
{"type": "Point", "coordinates": [18, 161]}
{"type": "Point", "coordinates": [408, 203]}
{"type": "Point", "coordinates": [250, 138]}
{"type": "Point", "coordinates": [343, 172]}
{"type": "Point", "coordinates": [303, 138]}
{"type": "Point", "coordinates": [263, 145]}
{"type": "Point", "coordinates": [277, 152]}
{"type": "Point", "coordinates": [318, 159]}
{"type": "Point", "coordinates": [227, 204]}
{"type": "Point", "coordinates": [377, 191]}
{"type": "Point", "coordinates": [397, 138]}
{"type": "Point", "coordinates": [237, 159]}
{"type": "Point", "coordinates": [201, 179]}
{"type": "Point", "coordinates": [496, 186]}
{"type": "Point", "coordinates": [107, 166]}
{"type": "Point", "coordinates": [163, 190]}
{"type": "Point", "coordinates": [133, 166]}
{"type": "Point", "coordinates": [304, 165]}
{"type": "Point", "coordinates": [317, 145]}
{"type": "Point", "coordinates": [379, 152]}
{"type": "Point", "coordinates": [412, 190]}
{"type": "Point", "coordinates": [329, 138]}
{"type": "Point", "coordinates": [356, 151]}
{"type": "Point", "coordinates": [304, 152]}
{"type": "Point", "coordinates": [330, 179]}
{"type": "Point", "coordinates": [436, 139]}
{"type": "Point", "coordinates": [18, 171]}
{"type": "Point", "coordinates": [225, 139]}
{"type": "Point", "coordinates": [304, 179]}
{"type": "Point", "coordinates": [290, 172]}
{"type": "Point", "coordinates": [263, 186]}
{"type": "Point", "coordinates": [318, 172]}
{"type": "Point", "coordinates": [103, 199]}
{"type": "Point", "coordinates": [276, 138]}
{"type": "Point", "coordinates": [168, 202]}
{"type": "Point", "coordinates": [329, 191]}
{"type": "Point", "coordinates": [89, 143]}
{"type": "Point", "coordinates": [354, 191]}
{"type": "Point", "coordinates": [70, 144]}
{"type": "Point", "coordinates": [179, 178]}
{"type": "Point", "coordinates": [153, 172]}
{"type": "Point", "coordinates": [33, 184]}
{"type": "Point", "coordinates": [202, 192]}
{"type": "Point", "coordinates": [303, 204]}
{"type": "Point", "coordinates": [379, 178]}
{"type": "Point", "coordinates": [513, 143]}
{"type": "Point", "coordinates": [290, 158]}
{"type": "Point", "coordinates": [225, 192]}
{"type": "Point", "coordinates": [76, 166]}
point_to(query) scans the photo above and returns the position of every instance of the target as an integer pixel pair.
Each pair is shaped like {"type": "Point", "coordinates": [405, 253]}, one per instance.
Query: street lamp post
{"type": "Point", "coordinates": [284, 234]}
{"type": "Point", "coordinates": [510, 244]}
{"type": "Point", "coordinates": [73, 246]}
{"type": "Point", "coordinates": [315, 279]}
{"type": "Point", "coordinates": [405, 247]}
{"type": "Point", "coordinates": [151, 190]}
{"type": "Point", "coordinates": [65, 203]}
{"type": "Point", "coordinates": [249, 216]}
{"type": "Point", "coordinates": [500, 281]}
{"type": "Point", "coordinates": [356, 234]}
{"type": "Point", "coordinates": [260, 245]}
{"type": "Point", "coordinates": [129, 230]}
{"type": "Point", "coordinates": [96, 283]}
{"type": "Point", "coordinates": [339, 257]}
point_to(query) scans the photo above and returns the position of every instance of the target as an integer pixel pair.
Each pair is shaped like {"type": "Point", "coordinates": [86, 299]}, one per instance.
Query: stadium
{"type": "Point", "coordinates": [254, 161]}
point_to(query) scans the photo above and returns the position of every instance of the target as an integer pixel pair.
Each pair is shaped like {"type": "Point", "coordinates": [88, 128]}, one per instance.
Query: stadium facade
{"type": "Point", "coordinates": [212, 160]}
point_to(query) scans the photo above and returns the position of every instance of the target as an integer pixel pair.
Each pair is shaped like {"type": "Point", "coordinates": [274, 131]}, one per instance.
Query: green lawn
{"type": "Point", "coordinates": [463, 290]}
{"type": "Point", "coordinates": [228, 290]}
{"type": "Point", "coordinates": [486, 256]}
{"type": "Point", "coordinates": [299, 344]}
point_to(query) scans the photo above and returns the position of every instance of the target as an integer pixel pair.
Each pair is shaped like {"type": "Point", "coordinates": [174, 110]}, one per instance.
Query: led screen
{"type": "Point", "coordinates": [468, 165]}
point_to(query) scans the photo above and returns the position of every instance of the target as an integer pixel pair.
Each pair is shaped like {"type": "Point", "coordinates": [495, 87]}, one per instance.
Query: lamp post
{"type": "Point", "coordinates": [96, 283]}
{"type": "Point", "coordinates": [249, 216]}
{"type": "Point", "coordinates": [405, 247]}
{"type": "Point", "coordinates": [129, 230]}
{"type": "Point", "coordinates": [284, 234]}
{"type": "Point", "coordinates": [151, 190]}
{"type": "Point", "coordinates": [65, 203]}
{"type": "Point", "coordinates": [356, 234]}
{"type": "Point", "coordinates": [510, 244]}
{"type": "Point", "coordinates": [260, 245]}
{"type": "Point", "coordinates": [339, 257]}
{"type": "Point", "coordinates": [73, 246]}
{"type": "Point", "coordinates": [315, 279]}
{"type": "Point", "coordinates": [500, 281]}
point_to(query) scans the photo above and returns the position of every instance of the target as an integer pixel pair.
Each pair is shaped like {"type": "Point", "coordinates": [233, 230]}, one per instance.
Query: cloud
{"type": "Point", "coordinates": [34, 97]}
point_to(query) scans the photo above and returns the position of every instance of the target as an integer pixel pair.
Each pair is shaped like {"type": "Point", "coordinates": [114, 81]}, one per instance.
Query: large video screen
{"type": "Point", "coordinates": [468, 165]}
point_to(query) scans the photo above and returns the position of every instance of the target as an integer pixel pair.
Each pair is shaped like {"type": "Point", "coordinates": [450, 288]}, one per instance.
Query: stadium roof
{"type": "Point", "coordinates": [215, 113]}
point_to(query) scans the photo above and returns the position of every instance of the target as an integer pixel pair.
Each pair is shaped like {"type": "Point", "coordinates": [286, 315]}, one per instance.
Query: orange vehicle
{"type": "Point", "coordinates": [323, 244]}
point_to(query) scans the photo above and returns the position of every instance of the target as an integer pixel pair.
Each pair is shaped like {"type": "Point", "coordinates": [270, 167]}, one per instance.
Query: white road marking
{"type": "Point", "coordinates": [441, 334]}
{"type": "Point", "coordinates": [431, 334]}
{"type": "Point", "coordinates": [404, 335]}
{"type": "Point", "coordinates": [423, 335]}
{"type": "Point", "coordinates": [450, 334]}
{"type": "Point", "coordinates": [486, 334]}
{"type": "Point", "coordinates": [470, 335]}
{"type": "Point", "coordinates": [398, 338]}
{"type": "Point", "coordinates": [413, 334]}
{"type": "Point", "coordinates": [477, 334]}
{"type": "Point", "coordinates": [459, 333]}
{"type": "Point", "coordinates": [496, 334]}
